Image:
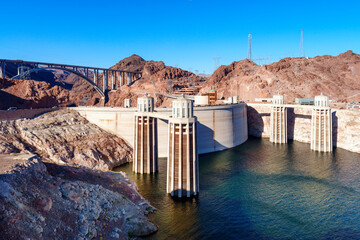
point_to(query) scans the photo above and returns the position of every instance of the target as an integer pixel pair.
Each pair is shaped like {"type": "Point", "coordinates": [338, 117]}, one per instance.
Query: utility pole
{"type": "Point", "coordinates": [216, 60]}
{"type": "Point", "coordinates": [249, 47]}
{"type": "Point", "coordinates": [302, 50]}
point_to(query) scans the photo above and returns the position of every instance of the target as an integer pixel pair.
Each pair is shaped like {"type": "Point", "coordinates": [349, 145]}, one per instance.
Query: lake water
{"type": "Point", "coordinates": [261, 191]}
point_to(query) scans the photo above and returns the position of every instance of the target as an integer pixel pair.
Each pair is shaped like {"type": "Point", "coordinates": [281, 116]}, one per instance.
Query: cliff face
{"type": "Point", "coordinates": [48, 201]}
{"type": "Point", "coordinates": [64, 137]}
{"type": "Point", "coordinates": [337, 77]}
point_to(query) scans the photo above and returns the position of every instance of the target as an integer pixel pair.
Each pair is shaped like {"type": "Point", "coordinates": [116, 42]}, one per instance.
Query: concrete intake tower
{"type": "Point", "coordinates": [145, 137]}
{"type": "Point", "coordinates": [321, 125]}
{"type": "Point", "coordinates": [278, 120]}
{"type": "Point", "coordinates": [182, 164]}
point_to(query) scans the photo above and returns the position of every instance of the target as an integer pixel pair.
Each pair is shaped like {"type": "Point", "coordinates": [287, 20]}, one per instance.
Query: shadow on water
{"type": "Point", "coordinates": [260, 190]}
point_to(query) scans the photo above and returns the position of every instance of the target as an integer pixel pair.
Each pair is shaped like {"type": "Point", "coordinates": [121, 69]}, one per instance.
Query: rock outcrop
{"type": "Point", "coordinates": [49, 201]}
{"type": "Point", "coordinates": [337, 77]}
{"type": "Point", "coordinates": [64, 137]}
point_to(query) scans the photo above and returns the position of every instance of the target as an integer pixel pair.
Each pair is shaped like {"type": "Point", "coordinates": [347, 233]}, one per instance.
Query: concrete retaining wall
{"type": "Point", "coordinates": [219, 127]}
{"type": "Point", "coordinates": [346, 125]}
{"type": "Point", "coordinates": [22, 113]}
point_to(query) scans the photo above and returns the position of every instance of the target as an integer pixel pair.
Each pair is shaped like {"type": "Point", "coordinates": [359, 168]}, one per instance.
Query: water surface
{"type": "Point", "coordinates": [261, 191]}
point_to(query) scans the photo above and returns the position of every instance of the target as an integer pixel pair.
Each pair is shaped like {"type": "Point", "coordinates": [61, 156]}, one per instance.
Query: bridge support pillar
{"type": "Point", "coordinates": [2, 70]}
{"type": "Point", "coordinates": [145, 140]}
{"type": "Point", "coordinates": [321, 125]}
{"type": "Point", "coordinates": [96, 77]}
{"type": "Point", "coordinates": [182, 164]}
{"type": "Point", "coordinates": [105, 80]}
{"type": "Point", "coordinates": [115, 84]}
{"type": "Point", "coordinates": [121, 78]}
{"type": "Point", "coordinates": [278, 120]}
{"type": "Point", "coordinates": [112, 80]}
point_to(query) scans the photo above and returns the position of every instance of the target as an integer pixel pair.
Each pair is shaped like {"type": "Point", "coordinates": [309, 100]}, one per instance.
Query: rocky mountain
{"type": "Point", "coordinates": [56, 87]}
{"type": "Point", "coordinates": [156, 78]}
{"type": "Point", "coordinates": [338, 77]}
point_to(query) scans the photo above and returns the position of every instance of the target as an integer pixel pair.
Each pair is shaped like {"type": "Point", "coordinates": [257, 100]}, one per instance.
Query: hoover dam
{"type": "Point", "coordinates": [219, 127]}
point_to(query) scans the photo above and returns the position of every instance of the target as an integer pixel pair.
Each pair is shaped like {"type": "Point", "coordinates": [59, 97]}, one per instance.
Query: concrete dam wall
{"type": "Point", "coordinates": [218, 128]}
{"type": "Point", "coordinates": [345, 125]}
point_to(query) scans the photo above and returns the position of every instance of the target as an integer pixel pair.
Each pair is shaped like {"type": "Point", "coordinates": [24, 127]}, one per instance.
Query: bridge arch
{"type": "Point", "coordinates": [96, 87]}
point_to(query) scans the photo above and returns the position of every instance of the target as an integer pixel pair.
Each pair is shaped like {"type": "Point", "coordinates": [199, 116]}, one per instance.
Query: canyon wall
{"type": "Point", "coordinates": [346, 127]}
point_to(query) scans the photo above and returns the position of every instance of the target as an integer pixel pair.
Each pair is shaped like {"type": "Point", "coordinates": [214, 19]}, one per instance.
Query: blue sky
{"type": "Point", "coordinates": [187, 34]}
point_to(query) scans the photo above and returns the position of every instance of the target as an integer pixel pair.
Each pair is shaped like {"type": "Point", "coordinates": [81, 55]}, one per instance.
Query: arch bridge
{"type": "Point", "coordinates": [90, 74]}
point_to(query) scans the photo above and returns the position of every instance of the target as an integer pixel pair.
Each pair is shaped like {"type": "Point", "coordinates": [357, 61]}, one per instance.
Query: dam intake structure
{"type": "Point", "coordinates": [182, 160]}
{"type": "Point", "coordinates": [153, 132]}
{"type": "Point", "coordinates": [182, 165]}
{"type": "Point", "coordinates": [321, 138]}
{"type": "Point", "coordinates": [321, 125]}
{"type": "Point", "coordinates": [278, 120]}
{"type": "Point", "coordinates": [145, 140]}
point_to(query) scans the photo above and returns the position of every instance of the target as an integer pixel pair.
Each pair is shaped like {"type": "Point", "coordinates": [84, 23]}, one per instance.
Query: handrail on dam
{"type": "Point", "coordinates": [284, 105]}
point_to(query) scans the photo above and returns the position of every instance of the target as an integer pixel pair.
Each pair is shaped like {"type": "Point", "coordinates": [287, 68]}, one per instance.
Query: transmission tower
{"type": "Point", "coordinates": [302, 50]}
{"type": "Point", "coordinates": [249, 47]}
{"type": "Point", "coordinates": [216, 60]}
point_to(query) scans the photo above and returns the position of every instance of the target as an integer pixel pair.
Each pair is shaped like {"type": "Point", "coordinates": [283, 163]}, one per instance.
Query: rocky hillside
{"type": "Point", "coordinates": [156, 78]}
{"type": "Point", "coordinates": [337, 77]}
{"type": "Point", "coordinates": [27, 94]}
{"type": "Point", "coordinates": [59, 88]}
{"type": "Point", "coordinates": [48, 201]}
{"type": "Point", "coordinates": [64, 137]}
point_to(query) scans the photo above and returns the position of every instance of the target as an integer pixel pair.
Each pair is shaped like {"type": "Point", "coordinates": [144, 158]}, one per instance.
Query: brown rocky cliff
{"type": "Point", "coordinates": [155, 76]}
{"type": "Point", "coordinates": [338, 77]}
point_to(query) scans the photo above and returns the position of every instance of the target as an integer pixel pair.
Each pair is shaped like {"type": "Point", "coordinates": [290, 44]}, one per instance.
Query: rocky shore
{"type": "Point", "coordinates": [64, 137]}
{"type": "Point", "coordinates": [54, 182]}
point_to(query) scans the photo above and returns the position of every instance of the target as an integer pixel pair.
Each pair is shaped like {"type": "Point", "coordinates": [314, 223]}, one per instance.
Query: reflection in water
{"type": "Point", "coordinates": [263, 191]}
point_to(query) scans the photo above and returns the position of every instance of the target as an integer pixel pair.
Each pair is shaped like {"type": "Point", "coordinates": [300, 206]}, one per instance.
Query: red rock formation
{"type": "Point", "coordinates": [338, 77]}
